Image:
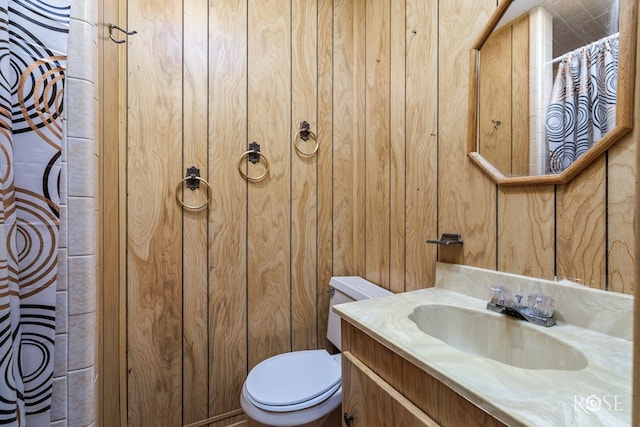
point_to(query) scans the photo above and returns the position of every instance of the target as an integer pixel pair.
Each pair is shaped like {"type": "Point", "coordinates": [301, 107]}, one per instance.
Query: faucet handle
{"type": "Point", "coordinates": [541, 305]}
{"type": "Point", "coordinates": [499, 294]}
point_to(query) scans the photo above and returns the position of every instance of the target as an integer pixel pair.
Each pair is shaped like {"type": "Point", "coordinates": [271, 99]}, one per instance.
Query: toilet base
{"type": "Point", "coordinates": [333, 419]}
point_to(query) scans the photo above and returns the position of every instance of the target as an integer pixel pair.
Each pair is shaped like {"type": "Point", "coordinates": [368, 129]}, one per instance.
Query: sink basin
{"type": "Point", "coordinates": [497, 337]}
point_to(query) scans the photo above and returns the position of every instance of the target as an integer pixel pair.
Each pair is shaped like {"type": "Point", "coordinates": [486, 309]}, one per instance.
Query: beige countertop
{"type": "Point", "coordinates": [596, 395]}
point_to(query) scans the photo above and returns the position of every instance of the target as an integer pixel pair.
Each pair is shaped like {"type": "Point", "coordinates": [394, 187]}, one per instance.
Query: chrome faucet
{"type": "Point", "coordinates": [539, 309]}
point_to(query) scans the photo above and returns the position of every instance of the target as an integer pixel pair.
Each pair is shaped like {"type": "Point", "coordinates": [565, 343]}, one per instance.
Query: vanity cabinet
{"type": "Point", "coordinates": [371, 401]}
{"type": "Point", "coordinates": [382, 388]}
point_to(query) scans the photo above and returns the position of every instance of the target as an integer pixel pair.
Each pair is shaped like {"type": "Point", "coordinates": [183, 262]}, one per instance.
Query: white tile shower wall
{"type": "Point", "coordinates": [75, 374]}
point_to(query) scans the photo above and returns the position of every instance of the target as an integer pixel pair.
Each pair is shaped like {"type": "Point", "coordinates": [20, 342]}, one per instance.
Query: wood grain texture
{"type": "Point", "coordinates": [526, 226]}
{"type": "Point", "coordinates": [154, 245]}
{"type": "Point", "coordinates": [228, 353]}
{"type": "Point", "coordinates": [377, 149]}
{"type": "Point", "coordinates": [495, 113]}
{"type": "Point", "coordinates": [621, 201]}
{"type": "Point", "coordinates": [325, 165]}
{"type": "Point", "coordinates": [304, 176]}
{"type": "Point", "coordinates": [520, 97]}
{"type": "Point", "coordinates": [635, 410]}
{"type": "Point", "coordinates": [624, 104]}
{"type": "Point", "coordinates": [422, 143]}
{"type": "Point", "coordinates": [349, 138]}
{"type": "Point", "coordinates": [429, 396]}
{"type": "Point", "coordinates": [269, 214]}
{"type": "Point", "coordinates": [581, 227]}
{"type": "Point", "coordinates": [272, 247]}
{"type": "Point", "coordinates": [111, 384]}
{"type": "Point", "coordinates": [397, 145]}
{"type": "Point", "coordinates": [195, 369]}
{"type": "Point", "coordinates": [466, 200]}
{"type": "Point", "coordinates": [635, 402]}
{"type": "Point", "coordinates": [373, 402]}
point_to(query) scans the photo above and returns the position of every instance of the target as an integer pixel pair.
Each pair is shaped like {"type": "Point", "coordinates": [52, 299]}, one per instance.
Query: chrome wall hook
{"type": "Point", "coordinates": [115, 27]}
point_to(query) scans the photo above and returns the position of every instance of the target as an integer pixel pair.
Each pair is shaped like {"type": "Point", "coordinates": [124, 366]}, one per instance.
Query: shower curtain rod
{"type": "Point", "coordinates": [561, 57]}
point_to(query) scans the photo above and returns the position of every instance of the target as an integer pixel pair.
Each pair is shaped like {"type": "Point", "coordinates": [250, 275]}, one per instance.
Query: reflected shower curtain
{"type": "Point", "coordinates": [33, 45]}
{"type": "Point", "coordinates": [582, 107]}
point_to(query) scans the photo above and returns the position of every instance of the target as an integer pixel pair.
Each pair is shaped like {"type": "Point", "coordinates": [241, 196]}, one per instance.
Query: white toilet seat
{"type": "Point", "coordinates": [293, 381]}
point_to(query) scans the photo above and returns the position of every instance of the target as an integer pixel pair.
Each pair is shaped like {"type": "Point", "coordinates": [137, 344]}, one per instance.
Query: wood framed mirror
{"type": "Point", "coordinates": [519, 134]}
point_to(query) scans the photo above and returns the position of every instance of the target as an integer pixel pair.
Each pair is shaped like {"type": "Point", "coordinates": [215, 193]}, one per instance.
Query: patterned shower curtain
{"type": "Point", "coordinates": [583, 102]}
{"type": "Point", "coordinates": [33, 46]}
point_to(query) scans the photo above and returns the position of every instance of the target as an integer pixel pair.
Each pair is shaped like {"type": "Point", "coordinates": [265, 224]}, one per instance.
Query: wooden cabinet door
{"type": "Point", "coordinates": [372, 402]}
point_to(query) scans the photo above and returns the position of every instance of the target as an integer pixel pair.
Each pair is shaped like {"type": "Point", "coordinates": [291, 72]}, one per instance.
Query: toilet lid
{"type": "Point", "coordinates": [293, 381]}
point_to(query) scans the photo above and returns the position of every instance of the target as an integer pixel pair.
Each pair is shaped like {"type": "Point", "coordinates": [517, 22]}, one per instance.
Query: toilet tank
{"type": "Point", "coordinates": [348, 289]}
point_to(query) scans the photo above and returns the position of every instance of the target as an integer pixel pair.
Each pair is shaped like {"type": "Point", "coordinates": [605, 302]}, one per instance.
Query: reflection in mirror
{"type": "Point", "coordinates": [547, 98]}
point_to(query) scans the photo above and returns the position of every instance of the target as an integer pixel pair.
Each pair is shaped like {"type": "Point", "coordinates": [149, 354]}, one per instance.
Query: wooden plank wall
{"type": "Point", "coordinates": [582, 230]}
{"type": "Point", "coordinates": [383, 84]}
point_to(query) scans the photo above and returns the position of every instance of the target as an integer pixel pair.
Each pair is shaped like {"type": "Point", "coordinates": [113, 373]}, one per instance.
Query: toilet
{"type": "Point", "coordinates": [304, 388]}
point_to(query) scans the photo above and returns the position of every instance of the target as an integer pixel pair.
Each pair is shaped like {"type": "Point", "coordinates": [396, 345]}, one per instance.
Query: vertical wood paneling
{"type": "Point", "coordinates": [349, 138]}
{"type": "Point", "coordinates": [304, 174]}
{"type": "Point", "coordinates": [110, 350]}
{"type": "Point", "coordinates": [154, 246]}
{"type": "Point", "coordinates": [397, 139]}
{"type": "Point", "coordinates": [525, 230]}
{"type": "Point", "coordinates": [466, 199]}
{"type": "Point", "coordinates": [195, 380]}
{"type": "Point", "coordinates": [495, 88]}
{"type": "Point", "coordinates": [581, 227]}
{"type": "Point", "coordinates": [384, 85]}
{"type": "Point", "coordinates": [269, 234]}
{"type": "Point", "coordinates": [228, 209]}
{"type": "Point", "coordinates": [325, 169]}
{"type": "Point", "coordinates": [520, 97]}
{"type": "Point", "coordinates": [377, 148]}
{"type": "Point", "coordinates": [620, 211]}
{"type": "Point", "coordinates": [422, 148]}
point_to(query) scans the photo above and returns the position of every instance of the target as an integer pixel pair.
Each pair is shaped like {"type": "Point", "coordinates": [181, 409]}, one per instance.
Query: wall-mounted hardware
{"type": "Point", "coordinates": [122, 30]}
{"type": "Point", "coordinates": [192, 180]}
{"type": "Point", "coordinates": [303, 134]}
{"type": "Point", "coordinates": [447, 239]}
{"type": "Point", "coordinates": [496, 123]}
{"type": "Point", "coordinates": [253, 155]}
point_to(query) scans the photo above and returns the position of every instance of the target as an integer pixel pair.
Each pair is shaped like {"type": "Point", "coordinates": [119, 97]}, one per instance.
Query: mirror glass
{"type": "Point", "coordinates": [550, 87]}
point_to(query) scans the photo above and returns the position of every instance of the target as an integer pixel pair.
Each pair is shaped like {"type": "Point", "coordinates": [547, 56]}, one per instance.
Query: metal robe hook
{"type": "Point", "coordinates": [115, 27]}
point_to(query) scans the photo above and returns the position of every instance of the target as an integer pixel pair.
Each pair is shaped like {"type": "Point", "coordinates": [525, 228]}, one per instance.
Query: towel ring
{"type": "Point", "coordinates": [181, 186]}
{"type": "Point", "coordinates": [298, 137]}
{"type": "Point", "coordinates": [253, 178]}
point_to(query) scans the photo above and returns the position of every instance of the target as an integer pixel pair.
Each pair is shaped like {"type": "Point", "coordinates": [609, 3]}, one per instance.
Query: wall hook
{"type": "Point", "coordinates": [496, 123]}
{"type": "Point", "coordinates": [115, 27]}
